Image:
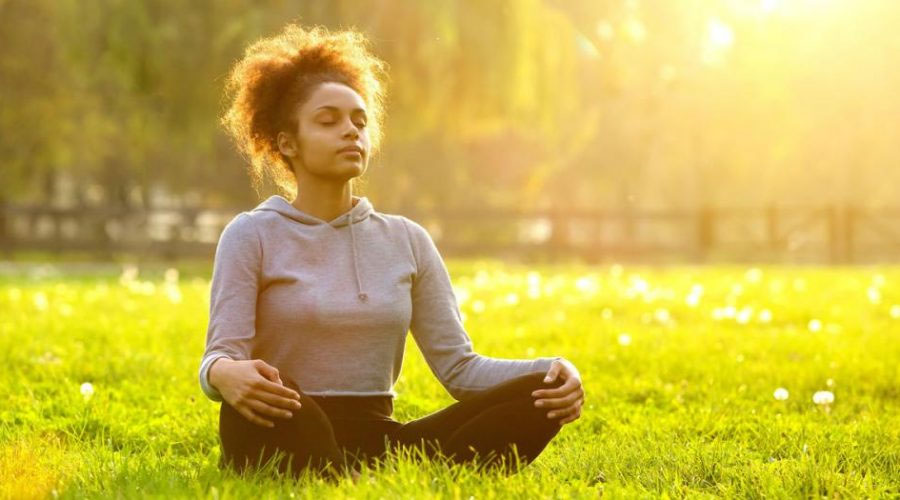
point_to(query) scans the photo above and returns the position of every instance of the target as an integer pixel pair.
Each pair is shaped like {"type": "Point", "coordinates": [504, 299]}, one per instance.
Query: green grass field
{"type": "Point", "coordinates": [680, 366]}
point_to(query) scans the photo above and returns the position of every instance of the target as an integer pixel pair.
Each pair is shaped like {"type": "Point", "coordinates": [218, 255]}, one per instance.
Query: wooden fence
{"type": "Point", "coordinates": [827, 234]}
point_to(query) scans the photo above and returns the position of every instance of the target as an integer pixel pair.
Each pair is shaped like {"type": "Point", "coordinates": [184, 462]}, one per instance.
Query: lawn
{"type": "Point", "coordinates": [700, 382]}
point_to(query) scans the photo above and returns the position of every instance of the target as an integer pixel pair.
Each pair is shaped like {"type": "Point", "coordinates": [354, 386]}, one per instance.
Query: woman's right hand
{"type": "Point", "coordinates": [254, 389]}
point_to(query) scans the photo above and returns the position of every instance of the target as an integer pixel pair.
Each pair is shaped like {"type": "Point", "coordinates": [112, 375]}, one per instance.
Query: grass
{"type": "Point", "coordinates": [679, 366]}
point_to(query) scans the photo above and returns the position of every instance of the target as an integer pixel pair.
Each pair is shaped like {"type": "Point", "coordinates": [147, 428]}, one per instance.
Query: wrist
{"type": "Point", "coordinates": [215, 370]}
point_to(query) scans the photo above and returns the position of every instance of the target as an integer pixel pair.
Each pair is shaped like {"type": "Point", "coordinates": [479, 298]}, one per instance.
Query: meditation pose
{"type": "Point", "coordinates": [313, 293]}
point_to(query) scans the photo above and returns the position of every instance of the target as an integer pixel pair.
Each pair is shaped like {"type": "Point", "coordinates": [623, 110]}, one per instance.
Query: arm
{"type": "Point", "coordinates": [232, 305]}
{"type": "Point", "coordinates": [252, 387]}
{"type": "Point", "coordinates": [437, 328]}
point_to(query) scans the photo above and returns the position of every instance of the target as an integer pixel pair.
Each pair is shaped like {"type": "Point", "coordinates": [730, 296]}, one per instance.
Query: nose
{"type": "Point", "coordinates": [351, 130]}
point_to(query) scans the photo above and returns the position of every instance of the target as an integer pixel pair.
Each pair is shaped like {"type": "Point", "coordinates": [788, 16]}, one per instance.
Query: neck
{"type": "Point", "coordinates": [324, 200]}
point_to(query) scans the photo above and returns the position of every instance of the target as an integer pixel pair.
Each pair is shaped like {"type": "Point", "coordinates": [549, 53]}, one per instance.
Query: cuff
{"type": "Point", "coordinates": [205, 386]}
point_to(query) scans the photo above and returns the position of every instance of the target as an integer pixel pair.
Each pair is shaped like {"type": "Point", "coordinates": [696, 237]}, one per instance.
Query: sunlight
{"type": "Point", "coordinates": [719, 39]}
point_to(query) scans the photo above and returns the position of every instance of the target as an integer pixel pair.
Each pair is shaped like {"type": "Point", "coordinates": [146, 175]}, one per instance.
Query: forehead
{"type": "Point", "coordinates": [336, 95]}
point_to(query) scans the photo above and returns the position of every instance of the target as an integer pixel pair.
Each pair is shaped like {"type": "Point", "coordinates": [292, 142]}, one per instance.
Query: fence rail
{"type": "Point", "coordinates": [825, 234]}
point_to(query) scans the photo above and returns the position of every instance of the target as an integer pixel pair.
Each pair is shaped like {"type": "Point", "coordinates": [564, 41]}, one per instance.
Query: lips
{"type": "Point", "coordinates": [351, 149]}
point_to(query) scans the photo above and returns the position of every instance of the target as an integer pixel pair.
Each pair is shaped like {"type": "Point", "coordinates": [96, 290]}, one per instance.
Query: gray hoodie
{"type": "Point", "coordinates": [330, 303]}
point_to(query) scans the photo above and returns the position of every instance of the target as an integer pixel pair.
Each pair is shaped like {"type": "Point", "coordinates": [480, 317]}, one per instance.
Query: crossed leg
{"type": "Point", "coordinates": [488, 429]}
{"type": "Point", "coordinates": [305, 441]}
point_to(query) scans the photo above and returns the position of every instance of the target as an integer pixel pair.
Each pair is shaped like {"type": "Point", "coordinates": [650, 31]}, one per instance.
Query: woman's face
{"type": "Point", "coordinates": [333, 118]}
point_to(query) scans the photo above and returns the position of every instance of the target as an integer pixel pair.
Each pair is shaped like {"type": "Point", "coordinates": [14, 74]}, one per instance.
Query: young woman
{"type": "Point", "coordinates": [312, 298]}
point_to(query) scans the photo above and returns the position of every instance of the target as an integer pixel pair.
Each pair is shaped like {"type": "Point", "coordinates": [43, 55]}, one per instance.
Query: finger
{"type": "Point", "coordinates": [569, 386]}
{"type": "Point", "coordinates": [553, 372]}
{"type": "Point", "coordinates": [276, 400]}
{"type": "Point", "coordinates": [567, 420]}
{"type": "Point", "coordinates": [566, 400]}
{"type": "Point", "coordinates": [266, 370]}
{"type": "Point", "coordinates": [571, 418]}
{"type": "Point", "coordinates": [265, 409]}
{"type": "Point", "coordinates": [252, 417]}
{"type": "Point", "coordinates": [269, 386]}
{"type": "Point", "coordinates": [568, 410]}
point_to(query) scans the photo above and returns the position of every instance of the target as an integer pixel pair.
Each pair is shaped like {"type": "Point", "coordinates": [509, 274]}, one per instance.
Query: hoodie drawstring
{"type": "Point", "coordinates": [361, 294]}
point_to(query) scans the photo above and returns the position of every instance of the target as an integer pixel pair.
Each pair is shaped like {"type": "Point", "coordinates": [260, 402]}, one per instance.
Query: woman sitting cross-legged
{"type": "Point", "coordinates": [312, 297]}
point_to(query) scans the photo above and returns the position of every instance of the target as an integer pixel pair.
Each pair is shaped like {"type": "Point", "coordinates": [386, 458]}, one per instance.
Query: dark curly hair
{"type": "Point", "coordinates": [278, 74]}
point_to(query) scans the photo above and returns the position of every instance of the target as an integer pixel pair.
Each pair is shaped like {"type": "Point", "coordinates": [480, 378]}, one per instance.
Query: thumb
{"type": "Point", "coordinates": [268, 371]}
{"type": "Point", "coordinates": [553, 372]}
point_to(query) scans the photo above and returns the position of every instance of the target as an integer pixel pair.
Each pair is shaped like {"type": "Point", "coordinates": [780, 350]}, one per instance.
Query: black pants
{"type": "Point", "coordinates": [331, 434]}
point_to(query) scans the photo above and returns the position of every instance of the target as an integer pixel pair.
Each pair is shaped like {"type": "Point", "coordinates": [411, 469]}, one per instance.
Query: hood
{"type": "Point", "coordinates": [361, 210]}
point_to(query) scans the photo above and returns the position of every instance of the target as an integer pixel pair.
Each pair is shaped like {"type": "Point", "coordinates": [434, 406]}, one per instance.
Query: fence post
{"type": "Point", "coordinates": [850, 215]}
{"type": "Point", "coordinates": [775, 244]}
{"type": "Point", "coordinates": [705, 232]}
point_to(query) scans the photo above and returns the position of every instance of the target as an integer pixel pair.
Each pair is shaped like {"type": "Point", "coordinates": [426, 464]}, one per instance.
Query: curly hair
{"type": "Point", "coordinates": [278, 74]}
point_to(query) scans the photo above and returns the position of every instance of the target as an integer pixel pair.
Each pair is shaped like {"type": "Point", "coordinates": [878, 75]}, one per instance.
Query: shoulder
{"type": "Point", "coordinates": [415, 230]}
{"type": "Point", "coordinates": [241, 229]}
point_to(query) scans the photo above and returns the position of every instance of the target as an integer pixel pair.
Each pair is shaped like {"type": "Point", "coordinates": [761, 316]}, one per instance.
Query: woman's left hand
{"type": "Point", "coordinates": [567, 399]}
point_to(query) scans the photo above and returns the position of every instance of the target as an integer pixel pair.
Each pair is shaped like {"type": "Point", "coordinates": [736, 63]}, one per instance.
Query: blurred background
{"type": "Point", "coordinates": [599, 130]}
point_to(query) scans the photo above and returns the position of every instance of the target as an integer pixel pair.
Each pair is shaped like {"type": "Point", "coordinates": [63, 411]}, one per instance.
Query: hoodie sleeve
{"type": "Point", "coordinates": [233, 292]}
{"type": "Point", "coordinates": [437, 328]}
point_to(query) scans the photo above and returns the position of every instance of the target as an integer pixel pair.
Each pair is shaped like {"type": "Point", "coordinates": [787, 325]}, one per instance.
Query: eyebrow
{"type": "Point", "coordinates": [335, 108]}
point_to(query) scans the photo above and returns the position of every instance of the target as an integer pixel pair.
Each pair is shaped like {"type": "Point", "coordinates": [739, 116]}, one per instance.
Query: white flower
{"type": "Point", "coordinates": [765, 316]}
{"type": "Point", "coordinates": [823, 397]}
{"type": "Point", "coordinates": [895, 311]}
{"type": "Point", "coordinates": [781, 394]}
{"type": "Point", "coordinates": [624, 339]}
{"type": "Point", "coordinates": [171, 275]}
{"type": "Point", "coordinates": [814, 325]}
{"type": "Point", "coordinates": [40, 301]}
{"type": "Point", "coordinates": [87, 390]}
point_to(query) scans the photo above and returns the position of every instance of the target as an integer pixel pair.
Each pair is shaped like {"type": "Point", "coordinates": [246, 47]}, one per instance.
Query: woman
{"type": "Point", "coordinates": [311, 299]}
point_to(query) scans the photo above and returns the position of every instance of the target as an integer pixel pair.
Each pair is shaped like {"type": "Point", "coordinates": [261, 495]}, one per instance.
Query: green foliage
{"type": "Point", "coordinates": [679, 366]}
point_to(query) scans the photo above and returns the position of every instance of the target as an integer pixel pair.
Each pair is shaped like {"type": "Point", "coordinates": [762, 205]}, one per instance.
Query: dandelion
{"type": "Point", "coordinates": [129, 274]}
{"type": "Point", "coordinates": [814, 325]}
{"type": "Point", "coordinates": [171, 275]}
{"type": "Point", "coordinates": [693, 298]}
{"type": "Point", "coordinates": [65, 310]}
{"type": "Point", "coordinates": [765, 316]}
{"type": "Point", "coordinates": [662, 315]}
{"type": "Point", "coordinates": [744, 316]}
{"type": "Point", "coordinates": [753, 275]}
{"type": "Point", "coordinates": [895, 311]}
{"type": "Point", "coordinates": [586, 284]}
{"type": "Point", "coordinates": [874, 295]}
{"type": "Point", "coordinates": [781, 394]}
{"type": "Point", "coordinates": [829, 382]}
{"type": "Point", "coordinates": [461, 293]}
{"type": "Point", "coordinates": [639, 285]}
{"type": "Point", "coordinates": [87, 390]}
{"type": "Point", "coordinates": [624, 339]}
{"type": "Point", "coordinates": [40, 301]}
{"type": "Point", "coordinates": [173, 293]}
{"type": "Point", "coordinates": [823, 397]}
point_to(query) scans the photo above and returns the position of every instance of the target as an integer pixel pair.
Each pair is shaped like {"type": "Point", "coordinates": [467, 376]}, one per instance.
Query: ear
{"type": "Point", "coordinates": [287, 144]}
